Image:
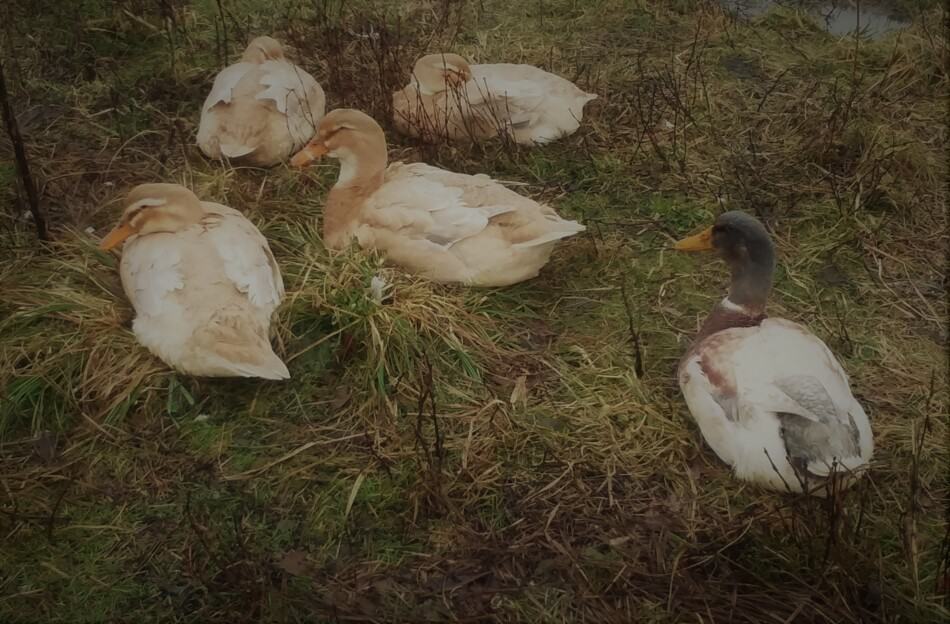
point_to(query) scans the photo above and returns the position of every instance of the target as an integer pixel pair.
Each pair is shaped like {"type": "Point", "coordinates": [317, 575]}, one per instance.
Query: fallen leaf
{"type": "Point", "coordinates": [294, 562]}
{"type": "Point", "coordinates": [45, 445]}
{"type": "Point", "coordinates": [520, 392]}
{"type": "Point", "coordinates": [340, 398]}
{"type": "Point", "coordinates": [353, 492]}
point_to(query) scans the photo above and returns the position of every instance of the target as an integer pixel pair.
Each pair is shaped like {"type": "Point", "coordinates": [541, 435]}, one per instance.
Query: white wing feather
{"type": "Point", "coordinates": [248, 261]}
{"type": "Point", "coordinates": [150, 271]}
{"type": "Point", "coordinates": [429, 209]}
{"type": "Point", "coordinates": [517, 101]}
{"type": "Point", "coordinates": [225, 82]}
{"type": "Point", "coordinates": [794, 351]}
{"type": "Point", "coordinates": [295, 94]}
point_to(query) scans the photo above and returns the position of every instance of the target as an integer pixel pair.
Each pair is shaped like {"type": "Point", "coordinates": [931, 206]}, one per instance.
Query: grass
{"type": "Point", "coordinates": [459, 454]}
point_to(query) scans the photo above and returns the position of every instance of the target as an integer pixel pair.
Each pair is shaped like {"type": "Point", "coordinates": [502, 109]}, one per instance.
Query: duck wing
{"type": "Point", "coordinates": [784, 369]}
{"type": "Point", "coordinates": [447, 208]}
{"type": "Point", "coordinates": [246, 256]}
{"type": "Point", "coordinates": [151, 271]}
{"type": "Point", "coordinates": [504, 96]}
{"type": "Point", "coordinates": [227, 80]}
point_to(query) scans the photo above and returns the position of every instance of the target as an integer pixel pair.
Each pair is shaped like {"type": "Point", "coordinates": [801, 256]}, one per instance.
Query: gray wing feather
{"type": "Point", "coordinates": [833, 436]}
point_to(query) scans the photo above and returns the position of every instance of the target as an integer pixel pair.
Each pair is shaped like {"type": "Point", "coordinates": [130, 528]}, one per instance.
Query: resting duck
{"type": "Point", "coordinates": [203, 283]}
{"type": "Point", "coordinates": [769, 397]}
{"type": "Point", "coordinates": [450, 99]}
{"type": "Point", "coordinates": [448, 227]}
{"type": "Point", "coordinates": [260, 110]}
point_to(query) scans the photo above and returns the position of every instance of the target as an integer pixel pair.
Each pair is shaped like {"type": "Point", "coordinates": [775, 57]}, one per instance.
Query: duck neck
{"type": "Point", "coordinates": [751, 284]}
{"type": "Point", "coordinates": [749, 289]}
{"type": "Point", "coordinates": [360, 176]}
{"type": "Point", "coordinates": [727, 314]}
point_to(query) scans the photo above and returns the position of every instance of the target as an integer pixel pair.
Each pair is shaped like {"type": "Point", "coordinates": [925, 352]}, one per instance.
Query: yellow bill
{"type": "Point", "coordinates": [696, 242]}
{"type": "Point", "coordinates": [309, 154]}
{"type": "Point", "coordinates": [116, 236]}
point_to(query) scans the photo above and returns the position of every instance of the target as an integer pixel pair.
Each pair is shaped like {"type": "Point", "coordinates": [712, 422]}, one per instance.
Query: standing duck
{"type": "Point", "coordinates": [769, 397]}
{"type": "Point", "coordinates": [260, 110]}
{"type": "Point", "coordinates": [447, 227]}
{"type": "Point", "coordinates": [203, 283]}
{"type": "Point", "coordinates": [450, 99]}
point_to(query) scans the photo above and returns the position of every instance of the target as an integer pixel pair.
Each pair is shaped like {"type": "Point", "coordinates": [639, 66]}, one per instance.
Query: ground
{"type": "Point", "coordinates": [454, 454]}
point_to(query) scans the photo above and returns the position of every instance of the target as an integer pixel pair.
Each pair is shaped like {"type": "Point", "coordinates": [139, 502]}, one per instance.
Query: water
{"type": "Point", "coordinates": [839, 17]}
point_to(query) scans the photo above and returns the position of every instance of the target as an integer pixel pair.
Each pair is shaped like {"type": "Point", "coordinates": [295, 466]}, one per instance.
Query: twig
{"type": "Point", "coordinates": [22, 164]}
{"type": "Point", "coordinates": [634, 333]}
{"type": "Point", "coordinates": [224, 34]}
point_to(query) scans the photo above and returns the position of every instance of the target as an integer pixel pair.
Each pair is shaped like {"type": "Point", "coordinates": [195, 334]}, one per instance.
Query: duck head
{"type": "Point", "coordinates": [437, 72]}
{"type": "Point", "coordinates": [262, 49]}
{"type": "Point", "coordinates": [352, 137]}
{"type": "Point", "coordinates": [741, 240]}
{"type": "Point", "coordinates": [152, 208]}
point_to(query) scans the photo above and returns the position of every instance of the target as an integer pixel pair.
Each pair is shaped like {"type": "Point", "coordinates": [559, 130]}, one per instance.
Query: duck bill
{"type": "Point", "coordinates": [307, 155]}
{"type": "Point", "coordinates": [116, 236]}
{"type": "Point", "coordinates": [696, 242]}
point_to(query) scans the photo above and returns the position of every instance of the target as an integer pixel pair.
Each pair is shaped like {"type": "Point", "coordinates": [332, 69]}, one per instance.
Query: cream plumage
{"type": "Point", "coordinates": [448, 227]}
{"type": "Point", "coordinates": [450, 99]}
{"type": "Point", "coordinates": [203, 283]}
{"type": "Point", "coordinates": [260, 110]}
{"type": "Point", "coordinates": [768, 395]}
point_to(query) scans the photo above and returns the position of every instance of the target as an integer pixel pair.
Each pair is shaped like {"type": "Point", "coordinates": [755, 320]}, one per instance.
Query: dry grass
{"type": "Point", "coordinates": [453, 454]}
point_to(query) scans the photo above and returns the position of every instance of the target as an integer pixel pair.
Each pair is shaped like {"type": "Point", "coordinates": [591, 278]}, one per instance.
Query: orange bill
{"type": "Point", "coordinates": [696, 242]}
{"type": "Point", "coordinates": [116, 236]}
{"type": "Point", "coordinates": [307, 155]}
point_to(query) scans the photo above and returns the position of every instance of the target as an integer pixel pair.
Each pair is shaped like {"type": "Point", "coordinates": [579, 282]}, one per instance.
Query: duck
{"type": "Point", "coordinates": [202, 280]}
{"type": "Point", "coordinates": [261, 110]}
{"type": "Point", "coordinates": [769, 397]}
{"type": "Point", "coordinates": [449, 99]}
{"type": "Point", "coordinates": [447, 227]}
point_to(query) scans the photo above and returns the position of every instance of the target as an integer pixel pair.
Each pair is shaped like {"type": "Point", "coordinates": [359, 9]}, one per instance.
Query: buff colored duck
{"type": "Point", "coordinates": [768, 395]}
{"type": "Point", "coordinates": [450, 99]}
{"type": "Point", "coordinates": [261, 110]}
{"type": "Point", "coordinates": [448, 227]}
{"type": "Point", "coordinates": [203, 283]}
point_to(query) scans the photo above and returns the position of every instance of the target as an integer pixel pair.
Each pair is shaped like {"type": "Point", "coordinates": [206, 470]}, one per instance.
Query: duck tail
{"type": "Point", "coordinates": [562, 228]}
{"type": "Point", "coordinates": [233, 346]}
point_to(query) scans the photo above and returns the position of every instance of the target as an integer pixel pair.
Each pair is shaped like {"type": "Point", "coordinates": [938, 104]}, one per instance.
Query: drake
{"type": "Point", "coordinates": [768, 395]}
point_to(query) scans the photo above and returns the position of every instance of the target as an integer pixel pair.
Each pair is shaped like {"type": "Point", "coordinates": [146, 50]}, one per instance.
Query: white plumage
{"type": "Point", "coordinates": [260, 110]}
{"type": "Point", "coordinates": [454, 227]}
{"type": "Point", "coordinates": [448, 227]}
{"type": "Point", "coordinates": [450, 99]}
{"type": "Point", "coordinates": [766, 394]}
{"type": "Point", "coordinates": [203, 283]}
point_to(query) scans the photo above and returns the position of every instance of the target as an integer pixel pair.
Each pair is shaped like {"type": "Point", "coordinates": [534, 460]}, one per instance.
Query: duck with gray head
{"type": "Point", "coordinates": [768, 395]}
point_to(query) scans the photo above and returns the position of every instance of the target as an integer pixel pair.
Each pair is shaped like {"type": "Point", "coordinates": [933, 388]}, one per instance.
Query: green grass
{"type": "Point", "coordinates": [558, 485]}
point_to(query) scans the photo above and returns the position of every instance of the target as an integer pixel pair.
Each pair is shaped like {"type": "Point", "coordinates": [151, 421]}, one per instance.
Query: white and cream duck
{"type": "Point", "coordinates": [261, 110]}
{"type": "Point", "coordinates": [450, 99]}
{"type": "Point", "coordinates": [768, 395]}
{"type": "Point", "coordinates": [203, 283]}
{"type": "Point", "coordinates": [448, 227]}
